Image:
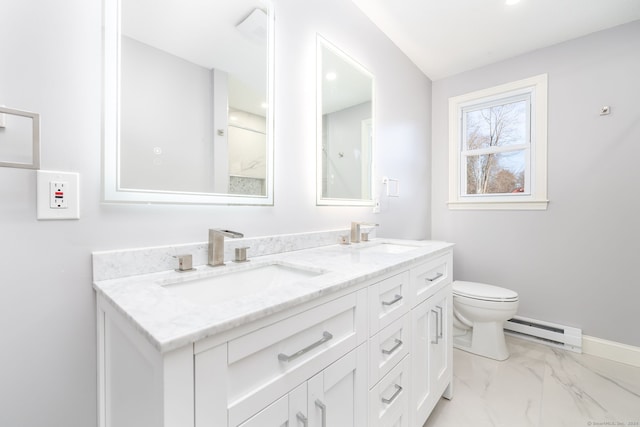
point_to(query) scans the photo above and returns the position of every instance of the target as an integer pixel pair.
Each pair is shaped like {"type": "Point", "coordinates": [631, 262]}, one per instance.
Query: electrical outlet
{"type": "Point", "coordinates": [57, 199]}
{"type": "Point", "coordinates": [58, 195]}
{"type": "Point", "coordinates": [376, 205]}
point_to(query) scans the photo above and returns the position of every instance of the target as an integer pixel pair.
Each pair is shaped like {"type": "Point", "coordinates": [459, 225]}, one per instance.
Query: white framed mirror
{"type": "Point", "coordinates": [188, 91]}
{"type": "Point", "coordinates": [345, 129]}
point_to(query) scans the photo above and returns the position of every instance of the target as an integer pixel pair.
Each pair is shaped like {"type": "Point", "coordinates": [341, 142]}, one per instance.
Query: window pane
{"type": "Point", "coordinates": [496, 126]}
{"type": "Point", "coordinates": [496, 173]}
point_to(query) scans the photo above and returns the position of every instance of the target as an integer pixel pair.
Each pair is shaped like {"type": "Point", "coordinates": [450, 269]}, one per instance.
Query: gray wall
{"type": "Point", "coordinates": [576, 262]}
{"type": "Point", "coordinates": [51, 64]}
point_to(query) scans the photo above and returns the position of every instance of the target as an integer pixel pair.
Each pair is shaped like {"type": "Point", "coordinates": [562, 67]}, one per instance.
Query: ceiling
{"type": "Point", "coordinates": [447, 37]}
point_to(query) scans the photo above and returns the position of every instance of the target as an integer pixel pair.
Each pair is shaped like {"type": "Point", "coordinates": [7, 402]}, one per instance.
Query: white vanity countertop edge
{"type": "Point", "coordinates": [170, 322]}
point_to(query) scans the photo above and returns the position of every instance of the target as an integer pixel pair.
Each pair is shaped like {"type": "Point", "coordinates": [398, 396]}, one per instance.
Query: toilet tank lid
{"type": "Point", "coordinates": [483, 291]}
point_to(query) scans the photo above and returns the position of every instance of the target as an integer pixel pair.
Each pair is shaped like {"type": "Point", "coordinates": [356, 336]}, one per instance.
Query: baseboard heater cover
{"type": "Point", "coordinates": [545, 332]}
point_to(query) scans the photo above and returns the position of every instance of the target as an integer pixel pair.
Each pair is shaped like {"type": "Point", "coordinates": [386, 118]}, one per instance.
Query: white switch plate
{"type": "Point", "coordinates": [67, 183]}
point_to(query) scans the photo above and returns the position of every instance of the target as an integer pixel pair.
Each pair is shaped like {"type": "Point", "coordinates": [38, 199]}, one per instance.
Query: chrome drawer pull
{"type": "Point", "coordinates": [326, 336]}
{"type": "Point", "coordinates": [440, 330]}
{"type": "Point", "coordinates": [437, 327]}
{"type": "Point", "coordinates": [436, 277]}
{"type": "Point", "coordinates": [393, 301]}
{"type": "Point", "coordinates": [300, 416]}
{"type": "Point", "coordinates": [395, 395]}
{"type": "Point", "coordinates": [323, 409]}
{"type": "Point", "coordinates": [394, 348]}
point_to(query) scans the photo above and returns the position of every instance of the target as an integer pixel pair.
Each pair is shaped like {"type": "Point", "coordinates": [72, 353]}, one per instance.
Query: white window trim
{"type": "Point", "coordinates": [537, 199]}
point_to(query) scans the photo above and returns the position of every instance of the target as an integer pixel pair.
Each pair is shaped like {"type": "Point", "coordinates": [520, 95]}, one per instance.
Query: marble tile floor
{"type": "Point", "coordinates": [539, 386]}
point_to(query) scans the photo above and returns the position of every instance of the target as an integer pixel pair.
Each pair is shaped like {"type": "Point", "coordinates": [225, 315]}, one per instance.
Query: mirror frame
{"type": "Point", "coordinates": [111, 126]}
{"type": "Point", "coordinates": [323, 43]}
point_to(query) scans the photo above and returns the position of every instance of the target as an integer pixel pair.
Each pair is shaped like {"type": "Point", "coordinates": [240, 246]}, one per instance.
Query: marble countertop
{"type": "Point", "coordinates": [170, 321]}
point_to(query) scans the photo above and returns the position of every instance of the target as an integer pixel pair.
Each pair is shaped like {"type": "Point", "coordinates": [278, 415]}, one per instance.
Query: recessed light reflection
{"type": "Point", "coordinates": [331, 76]}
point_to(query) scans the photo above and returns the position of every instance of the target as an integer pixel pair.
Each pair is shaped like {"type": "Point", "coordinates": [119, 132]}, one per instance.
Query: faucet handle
{"type": "Point", "coordinates": [185, 263]}
{"type": "Point", "coordinates": [241, 254]}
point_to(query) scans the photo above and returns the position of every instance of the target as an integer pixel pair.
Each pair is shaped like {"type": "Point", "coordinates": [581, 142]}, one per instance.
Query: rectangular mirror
{"type": "Point", "coordinates": [19, 139]}
{"type": "Point", "coordinates": [188, 96]}
{"type": "Point", "coordinates": [344, 129]}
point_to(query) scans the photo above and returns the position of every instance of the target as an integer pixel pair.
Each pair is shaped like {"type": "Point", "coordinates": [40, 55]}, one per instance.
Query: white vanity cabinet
{"type": "Point", "coordinates": [376, 354]}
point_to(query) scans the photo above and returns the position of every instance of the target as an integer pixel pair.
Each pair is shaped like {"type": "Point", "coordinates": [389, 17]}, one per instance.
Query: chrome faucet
{"type": "Point", "coordinates": [355, 230]}
{"type": "Point", "coordinates": [216, 245]}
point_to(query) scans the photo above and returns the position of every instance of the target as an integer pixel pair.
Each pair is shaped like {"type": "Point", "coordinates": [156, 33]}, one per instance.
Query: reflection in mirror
{"type": "Point", "coordinates": [345, 129]}
{"type": "Point", "coordinates": [19, 139]}
{"type": "Point", "coordinates": [187, 92]}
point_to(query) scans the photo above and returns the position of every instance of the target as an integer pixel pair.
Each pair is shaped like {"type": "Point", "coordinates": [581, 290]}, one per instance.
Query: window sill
{"type": "Point", "coordinates": [531, 205]}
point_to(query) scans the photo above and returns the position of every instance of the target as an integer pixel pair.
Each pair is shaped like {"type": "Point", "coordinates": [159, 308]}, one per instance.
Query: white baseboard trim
{"type": "Point", "coordinates": [611, 350]}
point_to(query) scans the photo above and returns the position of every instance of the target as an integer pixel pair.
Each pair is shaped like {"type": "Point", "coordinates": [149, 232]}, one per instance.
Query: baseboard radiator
{"type": "Point", "coordinates": [544, 332]}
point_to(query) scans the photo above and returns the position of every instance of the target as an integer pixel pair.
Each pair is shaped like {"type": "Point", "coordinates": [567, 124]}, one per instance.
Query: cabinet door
{"type": "Point", "coordinates": [298, 416]}
{"type": "Point", "coordinates": [274, 415]}
{"type": "Point", "coordinates": [423, 329]}
{"type": "Point", "coordinates": [337, 396]}
{"type": "Point", "coordinates": [288, 411]}
{"type": "Point", "coordinates": [431, 353]}
{"type": "Point", "coordinates": [441, 348]}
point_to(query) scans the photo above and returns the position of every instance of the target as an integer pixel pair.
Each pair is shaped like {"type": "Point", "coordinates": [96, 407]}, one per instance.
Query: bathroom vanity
{"type": "Point", "coordinates": [333, 335]}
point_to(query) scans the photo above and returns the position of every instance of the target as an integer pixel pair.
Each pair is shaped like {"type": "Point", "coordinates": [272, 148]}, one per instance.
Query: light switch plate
{"type": "Point", "coordinates": [50, 181]}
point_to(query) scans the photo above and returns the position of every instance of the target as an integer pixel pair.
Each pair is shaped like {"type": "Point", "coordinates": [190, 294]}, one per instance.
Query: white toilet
{"type": "Point", "coordinates": [479, 311]}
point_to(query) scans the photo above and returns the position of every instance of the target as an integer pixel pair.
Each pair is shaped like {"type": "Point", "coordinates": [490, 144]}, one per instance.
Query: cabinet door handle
{"type": "Point", "coordinates": [300, 416]}
{"type": "Point", "coordinates": [441, 323]}
{"type": "Point", "coordinates": [394, 348]}
{"type": "Point", "coordinates": [326, 336]}
{"type": "Point", "coordinates": [436, 277]}
{"type": "Point", "coordinates": [394, 397]}
{"type": "Point", "coordinates": [323, 409]}
{"type": "Point", "coordinates": [437, 327]}
{"type": "Point", "coordinates": [395, 299]}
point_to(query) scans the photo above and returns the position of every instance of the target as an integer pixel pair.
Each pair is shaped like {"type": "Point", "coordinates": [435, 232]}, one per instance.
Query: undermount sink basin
{"type": "Point", "coordinates": [238, 284]}
{"type": "Point", "coordinates": [386, 248]}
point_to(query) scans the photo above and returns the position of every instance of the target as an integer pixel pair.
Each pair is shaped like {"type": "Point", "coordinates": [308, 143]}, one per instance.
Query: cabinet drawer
{"type": "Point", "coordinates": [388, 347]}
{"type": "Point", "coordinates": [389, 399]}
{"type": "Point", "coordinates": [388, 301]}
{"type": "Point", "coordinates": [429, 277]}
{"type": "Point", "coordinates": [272, 360]}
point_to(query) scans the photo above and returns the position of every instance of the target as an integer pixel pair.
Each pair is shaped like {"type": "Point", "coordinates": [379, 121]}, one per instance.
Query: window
{"type": "Point", "coordinates": [498, 147]}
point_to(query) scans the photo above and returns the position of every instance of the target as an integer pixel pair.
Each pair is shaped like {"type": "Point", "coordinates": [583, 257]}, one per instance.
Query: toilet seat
{"type": "Point", "coordinates": [483, 292]}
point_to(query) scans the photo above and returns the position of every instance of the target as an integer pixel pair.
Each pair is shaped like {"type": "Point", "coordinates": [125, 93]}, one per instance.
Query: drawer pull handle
{"type": "Point", "coordinates": [323, 409]}
{"type": "Point", "coordinates": [326, 336]}
{"type": "Point", "coordinates": [437, 327]}
{"type": "Point", "coordinates": [434, 278]}
{"type": "Point", "coordinates": [440, 330]}
{"type": "Point", "coordinates": [394, 348]}
{"type": "Point", "coordinates": [300, 416]}
{"type": "Point", "coordinates": [393, 301]}
{"type": "Point", "coordinates": [394, 397]}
